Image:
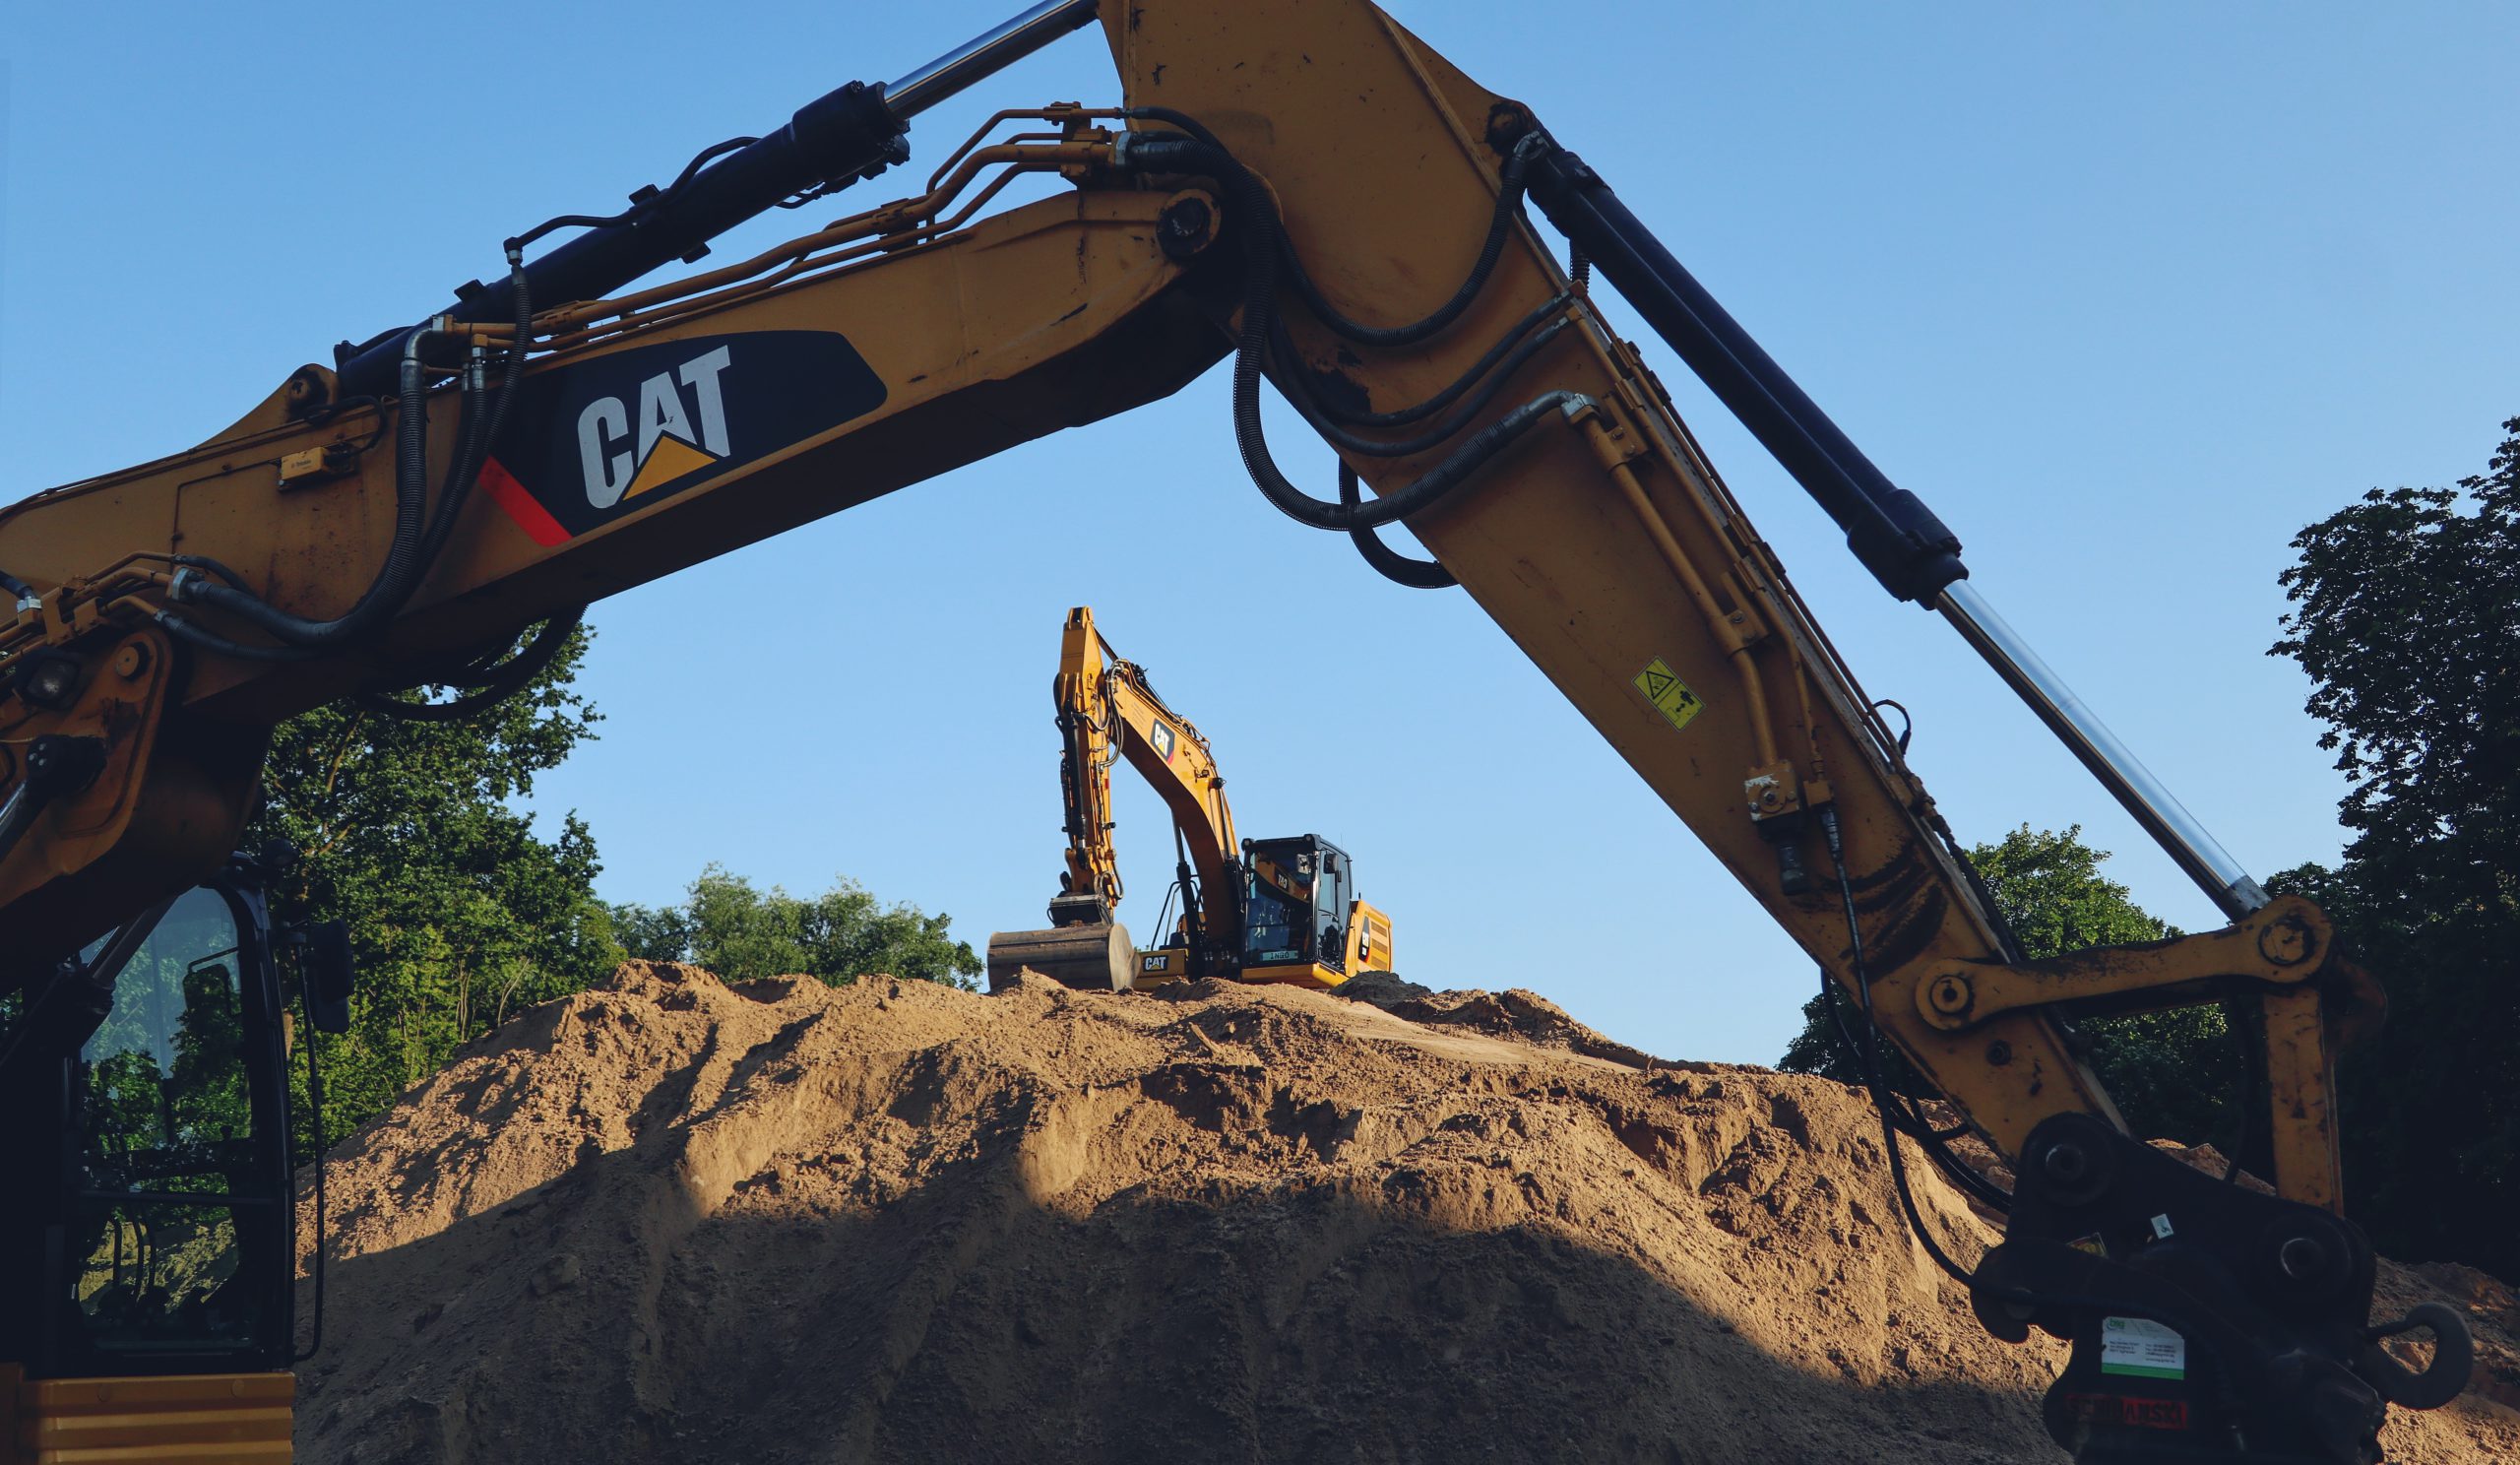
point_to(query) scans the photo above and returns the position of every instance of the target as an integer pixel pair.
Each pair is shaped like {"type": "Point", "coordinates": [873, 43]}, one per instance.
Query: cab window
{"type": "Point", "coordinates": [1278, 927]}
{"type": "Point", "coordinates": [173, 1196]}
{"type": "Point", "coordinates": [1330, 910]}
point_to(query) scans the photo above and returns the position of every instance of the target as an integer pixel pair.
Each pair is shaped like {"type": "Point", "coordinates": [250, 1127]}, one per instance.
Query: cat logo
{"type": "Point", "coordinates": [593, 440]}
{"type": "Point", "coordinates": [1162, 741]}
{"type": "Point", "coordinates": [682, 420]}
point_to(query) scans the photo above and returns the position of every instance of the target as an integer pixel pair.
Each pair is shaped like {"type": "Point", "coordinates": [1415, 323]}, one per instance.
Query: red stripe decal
{"type": "Point", "coordinates": [509, 494]}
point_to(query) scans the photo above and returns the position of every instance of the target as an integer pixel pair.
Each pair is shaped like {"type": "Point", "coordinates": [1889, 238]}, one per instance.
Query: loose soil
{"type": "Point", "coordinates": [676, 1219]}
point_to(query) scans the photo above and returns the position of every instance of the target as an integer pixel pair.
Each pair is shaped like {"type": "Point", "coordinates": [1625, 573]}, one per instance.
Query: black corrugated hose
{"type": "Point", "coordinates": [418, 536]}
{"type": "Point", "coordinates": [1390, 563]}
{"type": "Point", "coordinates": [496, 684]}
{"type": "Point", "coordinates": [1263, 251]}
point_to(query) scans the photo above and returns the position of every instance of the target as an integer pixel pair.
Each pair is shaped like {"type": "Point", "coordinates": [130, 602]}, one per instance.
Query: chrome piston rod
{"type": "Point", "coordinates": [2111, 761]}
{"type": "Point", "coordinates": [986, 54]}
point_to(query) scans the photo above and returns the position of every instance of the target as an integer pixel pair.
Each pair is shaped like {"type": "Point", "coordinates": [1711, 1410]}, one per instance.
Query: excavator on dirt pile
{"type": "Point", "coordinates": [1278, 183]}
{"type": "Point", "coordinates": [1273, 910]}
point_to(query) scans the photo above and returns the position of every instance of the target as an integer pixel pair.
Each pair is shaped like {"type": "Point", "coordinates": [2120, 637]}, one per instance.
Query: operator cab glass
{"type": "Point", "coordinates": [1297, 893]}
{"type": "Point", "coordinates": [176, 1225]}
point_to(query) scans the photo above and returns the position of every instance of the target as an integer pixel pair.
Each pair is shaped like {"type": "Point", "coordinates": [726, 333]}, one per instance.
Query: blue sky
{"type": "Point", "coordinates": [2129, 294]}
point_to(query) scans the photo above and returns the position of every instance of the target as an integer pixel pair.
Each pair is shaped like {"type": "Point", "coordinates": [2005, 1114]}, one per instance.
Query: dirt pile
{"type": "Point", "coordinates": [681, 1221]}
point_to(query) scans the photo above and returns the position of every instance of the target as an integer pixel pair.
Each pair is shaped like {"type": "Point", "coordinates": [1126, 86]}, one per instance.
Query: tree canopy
{"type": "Point", "coordinates": [2406, 614]}
{"type": "Point", "coordinates": [459, 912]}
{"type": "Point", "coordinates": [740, 933]}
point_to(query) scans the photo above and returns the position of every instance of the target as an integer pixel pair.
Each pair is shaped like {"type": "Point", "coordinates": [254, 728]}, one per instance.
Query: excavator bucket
{"type": "Point", "coordinates": [1097, 957]}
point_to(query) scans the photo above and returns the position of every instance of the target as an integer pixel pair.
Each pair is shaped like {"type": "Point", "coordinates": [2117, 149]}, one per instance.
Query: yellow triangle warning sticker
{"type": "Point", "coordinates": [669, 459]}
{"type": "Point", "coordinates": [1670, 695]}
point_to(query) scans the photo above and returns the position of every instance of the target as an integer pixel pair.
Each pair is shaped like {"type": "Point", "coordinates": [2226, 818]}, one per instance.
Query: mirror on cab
{"type": "Point", "coordinates": [324, 967]}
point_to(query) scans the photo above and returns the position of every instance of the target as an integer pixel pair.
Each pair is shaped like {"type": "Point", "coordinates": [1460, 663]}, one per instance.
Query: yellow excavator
{"type": "Point", "coordinates": [1271, 910]}
{"type": "Point", "coordinates": [1303, 187]}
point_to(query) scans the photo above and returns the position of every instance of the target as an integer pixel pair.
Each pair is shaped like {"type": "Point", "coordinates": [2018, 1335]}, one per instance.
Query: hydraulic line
{"type": "Point", "coordinates": [501, 682]}
{"type": "Point", "coordinates": [1291, 364]}
{"type": "Point", "coordinates": [55, 764]}
{"type": "Point", "coordinates": [1263, 238]}
{"type": "Point", "coordinates": [1871, 1055]}
{"type": "Point", "coordinates": [1301, 394]}
{"type": "Point", "coordinates": [418, 536]}
{"type": "Point", "coordinates": [1390, 563]}
{"type": "Point", "coordinates": [1874, 1081]}
{"type": "Point", "coordinates": [648, 204]}
{"type": "Point", "coordinates": [1500, 224]}
{"type": "Point", "coordinates": [301, 637]}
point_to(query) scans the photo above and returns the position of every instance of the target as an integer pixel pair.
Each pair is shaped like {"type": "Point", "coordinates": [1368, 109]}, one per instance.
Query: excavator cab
{"type": "Point", "coordinates": [148, 1087]}
{"type": "Point", "coordinates": [1301, 921]}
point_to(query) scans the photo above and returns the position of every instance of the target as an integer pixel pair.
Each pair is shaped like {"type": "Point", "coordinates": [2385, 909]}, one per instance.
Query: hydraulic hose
{"type": "Point", "coordinates": [1390, 563]}
{"type": "Point", "coordinates": [1263, 248]}
{"type": "Point", "coordinates": [400, 571]}
{"type": "Point", "coordinates": [1446, 475]}
{"type": "Point", "coordinates": [419, 534]}
{"type": "Point", "coordinates": [1299, 390]}
{"type": "Point", "coordinates": [1289, 364]}
{"type": "Point", "coordinates": [473, 453]}
{"type": "Point", "coordinates": [505, 682]}
{"type": "Point", "coordinates": [57, 764]}
{"type": "Point", "coordinates": [1501, 222]}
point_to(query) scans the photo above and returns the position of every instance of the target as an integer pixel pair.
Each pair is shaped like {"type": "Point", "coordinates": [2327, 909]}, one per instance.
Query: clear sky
{"type": "Point", "coordinates": [2129, 293]}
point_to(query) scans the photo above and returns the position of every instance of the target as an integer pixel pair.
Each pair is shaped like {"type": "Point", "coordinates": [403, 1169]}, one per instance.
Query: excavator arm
{"type": "Point", "coordinates": [1304, 186]}
{"type": "Point", "coordinates": [1108, 711]}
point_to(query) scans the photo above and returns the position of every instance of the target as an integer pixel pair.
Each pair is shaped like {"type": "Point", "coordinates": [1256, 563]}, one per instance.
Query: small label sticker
{"type": "Point", "coordinates": [2139, 1348]}
{"type": "Point", "coordinates": [1670, 695]}
{"type": "Point", "coordinates": [2161, 1228]}
{"type": "Point", "coordinates": [2132, 1412]}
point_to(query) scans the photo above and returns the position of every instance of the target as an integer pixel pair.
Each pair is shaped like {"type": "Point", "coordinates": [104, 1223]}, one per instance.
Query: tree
{"type": "Point", "coordinates": [741, 934]}
{"type": "Point", "coordinates": [2406, 614]}
{"type": "Point", "coordinates": [2170, 1072]}
{"type": "Point", "coordinates": [460, 913]}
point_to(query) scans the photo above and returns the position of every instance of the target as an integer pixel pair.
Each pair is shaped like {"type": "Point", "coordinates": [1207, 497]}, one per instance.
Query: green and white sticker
{"type": "Point", "coordinates": [2139, 1348]}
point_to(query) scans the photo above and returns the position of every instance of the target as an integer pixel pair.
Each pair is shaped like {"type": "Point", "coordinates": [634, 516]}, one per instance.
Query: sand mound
{"type": "Point", "coordinates": [679, 1221]}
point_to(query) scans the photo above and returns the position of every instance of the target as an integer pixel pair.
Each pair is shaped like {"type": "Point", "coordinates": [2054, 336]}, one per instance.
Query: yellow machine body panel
{"type": "Point", "coordinates": [201, 1418]}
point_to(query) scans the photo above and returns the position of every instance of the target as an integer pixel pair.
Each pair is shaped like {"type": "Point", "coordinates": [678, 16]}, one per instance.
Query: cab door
{"type": "Point", "coordinates": [171, 1244]}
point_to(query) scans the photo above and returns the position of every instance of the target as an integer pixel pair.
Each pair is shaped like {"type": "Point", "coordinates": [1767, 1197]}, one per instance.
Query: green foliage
{"type": "Point", "coordinates": [2406, 613]}
{"type": "Point", "coordinates": [2051, 891]}
{"type": "Point", "coordinates": [741, 934]}
{"type": "Point", "coordinates": [458, 912]}
{"type": "Point", "coordinates": [2170, 1072]}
